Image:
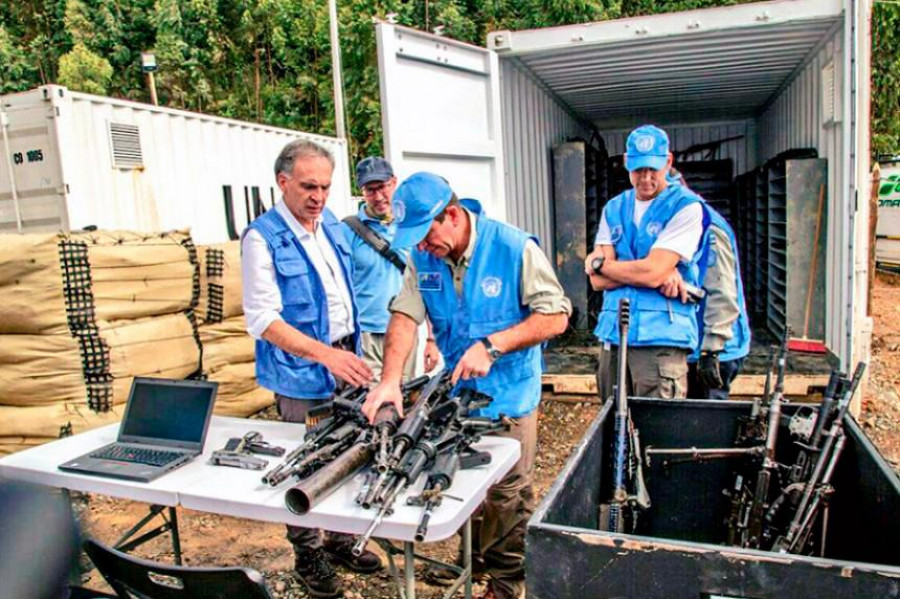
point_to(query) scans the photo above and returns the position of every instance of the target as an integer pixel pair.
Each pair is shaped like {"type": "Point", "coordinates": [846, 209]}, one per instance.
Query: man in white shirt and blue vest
{"type": "Point", "coordinates": [492, 298]}
{"type": "Point", "coordinates": [647, 244]}
{"type": "Point", "coordinates": [299, 306]}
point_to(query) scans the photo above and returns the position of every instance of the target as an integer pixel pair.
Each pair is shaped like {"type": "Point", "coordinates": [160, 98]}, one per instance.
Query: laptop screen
{"type": "Point", "coordinates": [168, 412]}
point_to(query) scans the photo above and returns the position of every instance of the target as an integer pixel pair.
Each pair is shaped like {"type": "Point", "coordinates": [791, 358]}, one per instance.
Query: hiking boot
{"type": "Point", "coordinates": [340, 553]}
{"type": "Point", "coordinates": [491, 593]}
{"type": "Point", "coordinates": [444, 577]}
{"type": "Point", "coordinates": [317, 574]}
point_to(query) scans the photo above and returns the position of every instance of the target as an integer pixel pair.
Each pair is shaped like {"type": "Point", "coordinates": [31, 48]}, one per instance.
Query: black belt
{"type": "Point", "coordinates": [345, 343]}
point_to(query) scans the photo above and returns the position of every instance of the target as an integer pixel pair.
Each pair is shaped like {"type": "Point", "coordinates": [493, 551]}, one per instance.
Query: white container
{"type": "Point", "coordinates": [80, 160]}
{"type": "Point", "coordinates": [784, 74]}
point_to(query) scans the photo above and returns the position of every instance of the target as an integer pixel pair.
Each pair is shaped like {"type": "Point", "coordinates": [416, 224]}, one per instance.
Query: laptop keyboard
{"type": "Point", "coordinates": [124, 453]}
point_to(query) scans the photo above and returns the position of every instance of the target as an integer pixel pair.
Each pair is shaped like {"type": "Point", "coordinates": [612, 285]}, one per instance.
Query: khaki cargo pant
{"type": "Point", "coordinates": [652, 371]}
{"type": "Point", "coordinates": [498, 527]}
{"type": "Point", "coordinates": [372, 345]}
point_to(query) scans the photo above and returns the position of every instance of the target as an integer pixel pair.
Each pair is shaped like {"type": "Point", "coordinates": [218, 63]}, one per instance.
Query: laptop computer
{"type": "Point", "coordinates": [164, 427]}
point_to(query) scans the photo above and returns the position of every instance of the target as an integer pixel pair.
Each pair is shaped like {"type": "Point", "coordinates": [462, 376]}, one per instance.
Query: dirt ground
{"type": "Point", "coordinates": [211, 540]}
{"type": "Point", "coordinates": [880, 415]}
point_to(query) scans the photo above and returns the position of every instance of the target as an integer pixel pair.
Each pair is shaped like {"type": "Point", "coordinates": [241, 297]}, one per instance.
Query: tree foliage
{"type": "Point", "coordinates": [886, 79]}
{"type": "Point", "coordinates": [82, 70]}
{"type": "Point", "coordinates": [270, 60]}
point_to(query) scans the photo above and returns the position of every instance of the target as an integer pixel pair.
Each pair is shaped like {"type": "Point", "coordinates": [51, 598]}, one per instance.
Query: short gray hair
{"type": "Point", "coordinates": [299, 148]}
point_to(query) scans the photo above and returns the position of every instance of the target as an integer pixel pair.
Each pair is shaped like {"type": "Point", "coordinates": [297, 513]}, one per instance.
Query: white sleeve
{"type": "Point", "coordinates": [682, 233]}
{"type": "Point", "coordinates": [604, 237]}
{"type": "Point", "coordinates": [262, 298]}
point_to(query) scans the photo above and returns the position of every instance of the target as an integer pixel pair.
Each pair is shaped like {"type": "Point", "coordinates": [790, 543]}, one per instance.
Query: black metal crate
{"type": "Point", "coordinates": [679, 549]}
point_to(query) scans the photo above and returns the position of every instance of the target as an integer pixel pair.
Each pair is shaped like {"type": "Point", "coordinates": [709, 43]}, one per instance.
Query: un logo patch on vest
{"type": "Point", "coordinates": [491, 286]}
{"type": "Point", "coordinates": [654, 228]}
{"type": "Point", "coordinates": [430, 281]}
{"type": "Point", "coordinates": [615, 234]}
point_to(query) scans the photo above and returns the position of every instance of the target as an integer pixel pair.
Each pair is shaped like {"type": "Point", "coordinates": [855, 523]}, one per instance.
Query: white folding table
{"type": "Point", "coordinates": [241, 493]}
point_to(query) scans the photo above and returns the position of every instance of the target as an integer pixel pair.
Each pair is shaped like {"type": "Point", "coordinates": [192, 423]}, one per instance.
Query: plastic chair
{"type": "Point", "coordinates": [133, 577]}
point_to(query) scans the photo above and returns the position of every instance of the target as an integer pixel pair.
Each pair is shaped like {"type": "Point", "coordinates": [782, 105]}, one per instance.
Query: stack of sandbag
{"type": "Point", "coordinates": [84, 313]}
{"type": "Point", "coordinates": [228, 350]}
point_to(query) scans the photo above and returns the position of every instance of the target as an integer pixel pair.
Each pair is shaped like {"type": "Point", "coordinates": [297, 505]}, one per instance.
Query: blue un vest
{"type": "Point", "coordinates": [304, 307]}
{"type": "Point", "coordinates": [655, 319]}
{"type": "Point", "coordinates": [739, 344]}
{"type": "Point", "coordinates": [490, 302]}
{"type": "Point", "coordinates": [375, 280]}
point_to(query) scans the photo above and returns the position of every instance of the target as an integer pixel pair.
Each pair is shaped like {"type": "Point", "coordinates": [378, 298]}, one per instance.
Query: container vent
{"type": "Point", "coordinates": [126, 146]}
{"type": "Point", "coordinates": [831, 99]}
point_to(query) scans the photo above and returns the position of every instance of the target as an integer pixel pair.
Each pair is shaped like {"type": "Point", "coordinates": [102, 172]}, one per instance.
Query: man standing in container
{"type": "Point", "coordinates": [377, 265]}
{"type": "Point", "coordinates": [492, 298]}
{"type": "Point", "coordinates": [646, 249]}
{"type": "Point", "coordinates": [299, 307]}
{"type": "Point", "coordinates": [722, 317]}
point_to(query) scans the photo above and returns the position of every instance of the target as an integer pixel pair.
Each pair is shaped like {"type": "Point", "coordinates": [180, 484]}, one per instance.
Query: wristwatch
{"type": "Point", "coordinates": [597, 264]}
{"type": "Point", "coordinates": [492, 351]}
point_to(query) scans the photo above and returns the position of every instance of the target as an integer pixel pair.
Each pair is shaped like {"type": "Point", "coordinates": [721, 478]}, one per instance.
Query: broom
{"type": "Point", "coordinates": [805, 344]}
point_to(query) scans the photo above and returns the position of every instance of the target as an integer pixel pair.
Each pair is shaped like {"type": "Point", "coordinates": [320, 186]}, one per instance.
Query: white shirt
{"type": "Point", "coordinates": [680, 235]}
{"type": "Point", "coordinates": [262, 297]}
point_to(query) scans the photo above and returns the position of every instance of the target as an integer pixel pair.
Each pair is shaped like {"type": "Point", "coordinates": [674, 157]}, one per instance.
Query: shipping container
{"type": "Point", "coordinates": [80, 160]}
{"type": "Point", "coordinates": [679, 549]}
{"type": "Point", "coordinates": [746, 83]}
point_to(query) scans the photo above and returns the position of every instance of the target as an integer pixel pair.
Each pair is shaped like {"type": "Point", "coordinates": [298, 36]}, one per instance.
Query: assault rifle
{"type": "Point", "coordinates": [406, 436]}
{"type": "Point", "coordinates": [757, 435]}
{"type": "Point", "coordinates": [331, 430]}
{"type": "Point", "coordinates": [749, 443]}
{"type": "Point", "coordinates": [629, 491]}
{"type": "Point", "coordinates": [440, 423]}
{"type": "Point", "coordinates": [755, 537]}
{"type": "Point", "coordinates": [808, 427]}
{"type": "Point", "coordinates": [454, 454]}
{"type": "Point", "coordinates": [817, 489]}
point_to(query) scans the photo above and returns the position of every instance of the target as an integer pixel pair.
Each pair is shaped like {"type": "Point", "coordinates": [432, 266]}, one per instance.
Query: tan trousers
{"type": "Point", "coordinates": [498, 527]}
{"type": "Point", "coordinates": [652, 372]}
{"type": "Point", "coordinates": [373, 354]}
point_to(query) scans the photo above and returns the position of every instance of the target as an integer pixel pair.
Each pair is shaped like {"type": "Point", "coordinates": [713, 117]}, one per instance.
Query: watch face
{"type": "Point", "coordinates": [494, 353]}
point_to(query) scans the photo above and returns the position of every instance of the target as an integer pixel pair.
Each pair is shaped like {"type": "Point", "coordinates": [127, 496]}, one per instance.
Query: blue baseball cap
{"type": "Point", "coordinates": [373, 168]}
{"type": "Point", "coordinates": [416, 202]}
{"type": "Point", "coordinates": [647, 147]}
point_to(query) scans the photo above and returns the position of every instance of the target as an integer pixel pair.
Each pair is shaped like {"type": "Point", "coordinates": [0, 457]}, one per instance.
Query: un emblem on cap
{"type": "Point", "coordinates": [644, 143]}
{"type": "Point", "coordinates": [491, 286]}
{"type": "Point", "coordinates": [399, 210]}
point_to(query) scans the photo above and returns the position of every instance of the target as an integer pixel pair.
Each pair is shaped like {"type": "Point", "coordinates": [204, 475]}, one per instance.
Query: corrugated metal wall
{"type": "Point", "coordinates": [187, 157]}
{"type": "Point", "coordinates": [794, 120]}
{"type": "Point", "coordinates": [681, 137]}
{"type": "Point", "coordinates": [533, 121]}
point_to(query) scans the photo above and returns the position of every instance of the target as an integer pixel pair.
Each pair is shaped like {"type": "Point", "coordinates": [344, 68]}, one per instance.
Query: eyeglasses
{"type": "Point", "coordinates": [373, 190]}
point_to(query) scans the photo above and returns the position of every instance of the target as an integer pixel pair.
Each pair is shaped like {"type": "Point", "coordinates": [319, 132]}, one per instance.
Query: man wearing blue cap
{"type": "Point", "coordinates": [298, 304]}
{"type": "Point", "coordinates": [378, 263]}
{"type": "Point", "coordinates": [492, 298]}
{"type": "Point", "coordinates": [722, 317]}
{"type": "Point", "coordinates": [647, 245]}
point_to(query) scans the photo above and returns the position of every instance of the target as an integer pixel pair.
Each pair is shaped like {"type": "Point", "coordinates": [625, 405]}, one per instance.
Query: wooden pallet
{"type": "Point", "coordinates": [746, 385]}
